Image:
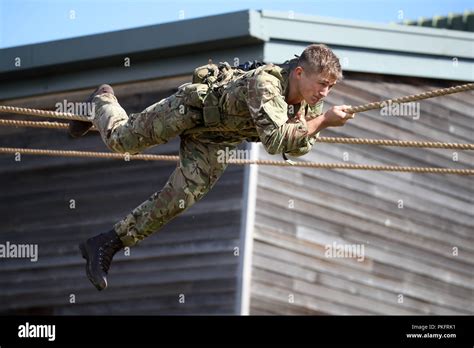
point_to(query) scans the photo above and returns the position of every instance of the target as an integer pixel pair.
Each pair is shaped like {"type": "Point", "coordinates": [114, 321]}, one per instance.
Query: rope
{"type": "Point", "coordinates": [42, 113]}
{"type": "Point", "coordinates": [332, 140]}
{"type": "Point", "coordinates": [68, 153]}
{"type": "Point", "coordinates": [413, 97]}
{"type": "Point", "coordinates": [401, 143]}
{"type": "Point", "coordinates": [37, 124]}
{"type": "Point", "coordinates": [354, 109]}
{"type": "Point", "coordinates": [90, 154]}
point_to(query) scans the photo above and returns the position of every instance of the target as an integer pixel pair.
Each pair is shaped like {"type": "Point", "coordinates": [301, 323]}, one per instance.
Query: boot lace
{"type": "Point", "coordinates": [106, 253]}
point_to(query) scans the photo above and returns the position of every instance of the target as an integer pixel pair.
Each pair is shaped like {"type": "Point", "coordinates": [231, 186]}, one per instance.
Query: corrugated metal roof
{"type": "Point", "coordinates": [453, 21]}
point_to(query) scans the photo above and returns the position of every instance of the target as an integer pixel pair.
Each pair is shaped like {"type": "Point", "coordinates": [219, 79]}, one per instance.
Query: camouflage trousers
{"type": "Point", "coordinates": [196, 173]}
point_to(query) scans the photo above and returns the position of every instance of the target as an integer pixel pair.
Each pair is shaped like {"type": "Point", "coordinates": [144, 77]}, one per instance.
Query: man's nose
{"type": "Point", "coordinates": [324, 92]}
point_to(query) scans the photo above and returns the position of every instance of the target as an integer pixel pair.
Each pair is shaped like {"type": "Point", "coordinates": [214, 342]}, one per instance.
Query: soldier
{"type": "Point", "coordinates": [281, 106]}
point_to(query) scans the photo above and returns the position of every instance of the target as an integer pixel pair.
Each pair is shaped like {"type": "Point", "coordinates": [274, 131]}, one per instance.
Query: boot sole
{"type": "Point", "coordinates": [79, 128]}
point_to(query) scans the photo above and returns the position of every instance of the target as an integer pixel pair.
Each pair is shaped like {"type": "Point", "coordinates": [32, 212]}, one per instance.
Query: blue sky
{"type": "Point", "coordinates": [30, 21]}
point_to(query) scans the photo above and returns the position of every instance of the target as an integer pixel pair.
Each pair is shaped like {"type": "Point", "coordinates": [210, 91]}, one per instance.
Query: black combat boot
{"type": "Point", "coordinates": [79, 128]}
{"type": "Point", "coordinates": [99, 251]}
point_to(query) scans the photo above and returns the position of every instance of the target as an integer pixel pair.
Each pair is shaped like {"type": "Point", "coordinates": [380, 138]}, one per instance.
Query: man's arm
{"type": "Point", "coordinates": [269, 111]}
{"type": "Point", "coordinates": [334, 117]}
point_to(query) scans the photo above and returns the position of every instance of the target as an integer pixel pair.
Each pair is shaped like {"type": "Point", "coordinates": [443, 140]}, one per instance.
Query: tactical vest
{"type": "Point", "coordinates": [206, 87]}
{"type": "Point", "coordinates": [209, 82]}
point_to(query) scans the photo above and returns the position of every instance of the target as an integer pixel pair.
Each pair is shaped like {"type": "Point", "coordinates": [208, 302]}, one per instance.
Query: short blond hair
{"type": "Point", "coordinates": [320, 59]}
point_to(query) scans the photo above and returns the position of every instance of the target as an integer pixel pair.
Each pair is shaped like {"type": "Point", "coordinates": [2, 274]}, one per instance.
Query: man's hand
{"type": "Point", "coordinates": [334, 117]}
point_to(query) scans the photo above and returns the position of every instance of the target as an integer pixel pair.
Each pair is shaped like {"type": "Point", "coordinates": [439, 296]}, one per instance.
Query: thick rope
{"type": "Point", "coordinates": [354, 109]}
{"type": "Point", "coordinates": [411, 98]}
{"type": "Point", "coordinates": [37, 124]}
{"type": "Point", "coordinates": [127, 157]}
{"type": "Point", "coordinates": [42, 113]}
{"type": "Point", "coordinates": [332, 140]}
{"type": "Point", "coordinates": [90, 154]}
{"type": "Point", "coordinates": [401, 143]}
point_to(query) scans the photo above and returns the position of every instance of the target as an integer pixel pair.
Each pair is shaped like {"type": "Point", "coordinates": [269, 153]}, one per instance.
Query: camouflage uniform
{"type": "Point", "coordinates": [251, 107]}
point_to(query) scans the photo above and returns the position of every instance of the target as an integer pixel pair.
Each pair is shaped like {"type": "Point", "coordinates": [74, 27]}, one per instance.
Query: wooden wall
{"type": "Point", "coordinates": [299, 211]}
{"type": "Point", "coordinates": [409, 265]}
{"type": "Point", "coordinates": [192, 255]}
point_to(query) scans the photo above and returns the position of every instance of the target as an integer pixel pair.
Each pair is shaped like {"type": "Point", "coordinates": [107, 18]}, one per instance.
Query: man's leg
{"type": "Point", "coordinates": [197, 172]}
{"type": "Point", "coordinates": [156, 125]}
{"type": "Point", "coordinates": [195, 175]}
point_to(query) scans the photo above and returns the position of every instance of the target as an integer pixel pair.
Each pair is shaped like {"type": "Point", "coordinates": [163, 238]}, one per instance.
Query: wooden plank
{"type": "Point", "coordinates": [264, 306]}
{"type": "Point", "coordinates": [407, 182]}
{"type": "Point", "coordinates": [457, 300]}
{"type": "Point", "coordinates": [369, 230]}
{"type": "Point", "coordinates": [309, 249]}
{"type": "Point", "coordinates": [143, 289]}
{"type": "Point", "coordinates": [425, 307]}
{"type": "Point", "coordinates": [269, 291]}
{"type": "Point", "coordinates": [303, 249]}
{"type": "Point", "coordinates": [301, 273]}
{"type": "Point", "coordinates": [449, 185]}
{"type": "Point", "coordinates": [215, 303]}
{"type": "Point", "coordinates": [340, 185]}
{"type": "Point", "coordinates": [333, 204]}
{"type": "Point", "coordinates": [388, 199]}
{"type": "Point", "coordinates": [374, 254]}
{"type": "Point", "coordinates": [428, 157]}
{"type": "Point", "coordinates": [122, 264]}
{"type": "Point", "coordinates": [188, 248]}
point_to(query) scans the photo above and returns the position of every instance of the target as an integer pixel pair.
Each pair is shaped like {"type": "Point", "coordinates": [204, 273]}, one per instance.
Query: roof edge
{"type": "Point", "coordinates": [158, 38]}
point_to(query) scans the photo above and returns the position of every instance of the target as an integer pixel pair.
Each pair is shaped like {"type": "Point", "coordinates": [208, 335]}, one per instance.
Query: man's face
{"type": "Point", "coordinates": [313, 87]}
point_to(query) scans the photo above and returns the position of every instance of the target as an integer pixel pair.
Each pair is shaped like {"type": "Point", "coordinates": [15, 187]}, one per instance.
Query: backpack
{"type": "Point", "coordinates": [220, 74]}
{"type": "Point", "coordinates": [205, 89]}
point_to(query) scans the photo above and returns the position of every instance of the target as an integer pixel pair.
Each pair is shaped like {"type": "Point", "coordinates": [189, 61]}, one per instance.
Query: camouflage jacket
{"type": "Point", "coordinates": [253, 107]}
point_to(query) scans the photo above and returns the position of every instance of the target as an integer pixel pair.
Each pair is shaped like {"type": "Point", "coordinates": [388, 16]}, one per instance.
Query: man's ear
{"type": "Point", "coordinates": [298, 72]}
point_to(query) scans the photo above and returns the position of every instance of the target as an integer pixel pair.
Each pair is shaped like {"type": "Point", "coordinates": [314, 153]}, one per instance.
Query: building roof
{"type": "Point", "coordinates": [453, 21]}
{"type": "Point", "coordinates": [175, 48]}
